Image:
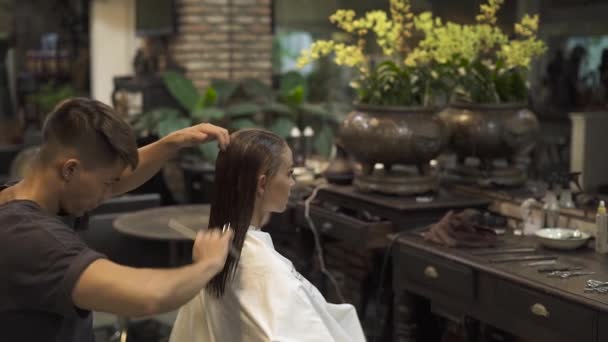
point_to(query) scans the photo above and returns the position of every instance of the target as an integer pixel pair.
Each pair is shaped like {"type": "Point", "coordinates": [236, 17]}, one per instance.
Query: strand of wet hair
{"type": "Point", "coordinates": [217, 287]}
{"type": "Point", "coordinates": [240, 223]}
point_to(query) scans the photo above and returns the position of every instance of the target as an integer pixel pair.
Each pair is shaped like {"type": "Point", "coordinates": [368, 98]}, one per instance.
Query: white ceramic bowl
{"type": "Point", "coordinates": [562, 238]}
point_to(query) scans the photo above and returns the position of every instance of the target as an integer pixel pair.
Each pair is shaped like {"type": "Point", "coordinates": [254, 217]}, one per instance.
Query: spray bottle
{"type": "Point", "coordinates": [601, 235]}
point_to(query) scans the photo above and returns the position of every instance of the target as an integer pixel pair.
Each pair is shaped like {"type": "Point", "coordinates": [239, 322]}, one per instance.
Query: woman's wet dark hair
{"type": "Point", "coordinates": [251, 153]}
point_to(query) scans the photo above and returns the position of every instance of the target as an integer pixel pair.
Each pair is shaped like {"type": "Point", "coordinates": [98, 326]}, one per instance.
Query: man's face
{"type": "Point", "coordinates": [85, 188]}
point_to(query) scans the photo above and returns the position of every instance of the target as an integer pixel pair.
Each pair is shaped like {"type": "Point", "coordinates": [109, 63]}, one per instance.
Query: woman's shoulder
{"type": "Point", "coordinates": [258, 253]}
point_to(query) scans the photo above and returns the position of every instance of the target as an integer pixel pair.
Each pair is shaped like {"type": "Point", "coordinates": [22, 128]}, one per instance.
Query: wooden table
{"type": "Point", "coordinates": [153, 224]}
{"type": "Point", "coordinates": [510, 296]}
{"type": "Point", "coordinates": [353, 227]}
{"type": "Point", "coordinates": [403, 211]}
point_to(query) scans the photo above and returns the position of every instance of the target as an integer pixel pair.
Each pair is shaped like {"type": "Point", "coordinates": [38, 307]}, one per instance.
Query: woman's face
{"type": "Point", "coordinates": [278, 187]}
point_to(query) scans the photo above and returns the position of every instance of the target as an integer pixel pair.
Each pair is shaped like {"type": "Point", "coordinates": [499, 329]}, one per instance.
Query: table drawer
{"type": "Point", "coordinates": [438, 274]}
{"type": "Point", "coordinates": [542, 317]}
{"type": "Point", "coordinates": [345, 228]}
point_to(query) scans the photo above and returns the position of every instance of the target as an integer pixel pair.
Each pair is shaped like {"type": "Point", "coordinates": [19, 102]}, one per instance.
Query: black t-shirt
{"type": "Point", "coordinates": [41, 259]}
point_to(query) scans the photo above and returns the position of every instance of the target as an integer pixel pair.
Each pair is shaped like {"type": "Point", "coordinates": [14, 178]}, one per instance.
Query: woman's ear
{"type": "Point", "coordinates": [261, 185]}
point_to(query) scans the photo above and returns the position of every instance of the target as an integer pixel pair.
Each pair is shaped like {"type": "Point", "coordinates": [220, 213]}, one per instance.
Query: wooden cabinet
{"type": "Point", "coordinates": [447, 279]}
{"type": "Point", "coordinates": [539, 316]}
{"type": "Point", "coordinates": [511, 297]}
{"type": "Point", "coordinates": [345, 228]}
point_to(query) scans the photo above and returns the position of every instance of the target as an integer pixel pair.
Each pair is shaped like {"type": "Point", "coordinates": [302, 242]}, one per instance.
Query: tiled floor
{"type": "Point", "coordinates": [104, 326]}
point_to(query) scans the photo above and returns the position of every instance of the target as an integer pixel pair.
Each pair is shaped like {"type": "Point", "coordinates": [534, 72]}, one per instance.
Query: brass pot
{"type": "Point", "coordinates": [392, 135]}
{"type": "Point", "coordinates": [340, 170]}
{"type": "Point", "coordinates": [489, 131]}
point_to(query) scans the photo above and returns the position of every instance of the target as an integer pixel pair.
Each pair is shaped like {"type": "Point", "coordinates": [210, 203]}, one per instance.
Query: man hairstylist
{"type": "Point", "coordinates": [49, 279]}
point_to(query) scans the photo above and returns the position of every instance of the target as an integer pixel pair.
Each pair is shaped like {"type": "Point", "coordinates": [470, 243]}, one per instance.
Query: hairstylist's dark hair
{"type": "Point", "coordinates": [251, 153]}
{"type": "Point", "coordinates": [93, 129]}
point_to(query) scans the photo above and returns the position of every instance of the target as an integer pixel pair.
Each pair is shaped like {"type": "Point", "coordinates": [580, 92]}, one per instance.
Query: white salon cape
{"type": "Point", "coordinates": [268, 300]}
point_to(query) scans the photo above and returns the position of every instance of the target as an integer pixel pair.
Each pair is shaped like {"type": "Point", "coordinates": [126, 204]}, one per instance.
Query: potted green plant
{"type": "Point", "coordinates": [488, 115]}
{"type": "Point", "coordinates": [393, 121]}
{"type": "Point", "coordinates": [234, 105]}
{"type": "Point", "coordinates": [196, 164]}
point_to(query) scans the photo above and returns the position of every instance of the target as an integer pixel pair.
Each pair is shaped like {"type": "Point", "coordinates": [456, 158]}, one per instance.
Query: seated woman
{"type": "Point", "coordinates": [259, 296]}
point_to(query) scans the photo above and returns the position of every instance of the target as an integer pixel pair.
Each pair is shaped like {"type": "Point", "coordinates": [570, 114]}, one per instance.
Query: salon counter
{"type": "Point", "coordinates": [468, 288]}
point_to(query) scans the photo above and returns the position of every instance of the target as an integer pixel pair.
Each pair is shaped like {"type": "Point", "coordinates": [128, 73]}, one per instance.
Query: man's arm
{"type": "Point", "coordinates": [126, 291]}
{"type": "Point", "coordinates": [109, 287]}
{"type": "Point", "coordinates": [152, 157]}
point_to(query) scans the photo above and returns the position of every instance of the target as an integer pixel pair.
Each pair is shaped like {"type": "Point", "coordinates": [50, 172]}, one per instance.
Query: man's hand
{"type": "Point", "coordinates": [211, 246]}
{"type": "Point", "coordinates": [200, 134]}
{"type": "Point", "coordinates": [152, 157]}
{"type": "Point", "coordinates": [109, 287]}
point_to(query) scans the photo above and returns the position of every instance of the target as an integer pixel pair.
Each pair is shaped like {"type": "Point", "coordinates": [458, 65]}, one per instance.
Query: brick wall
{"type": "Point", "coordinates": [227, 39]}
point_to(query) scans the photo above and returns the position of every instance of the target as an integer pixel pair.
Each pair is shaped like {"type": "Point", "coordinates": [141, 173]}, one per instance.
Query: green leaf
{"type": "Point", "coordinates": [278, 108]}
{"type": "Point", "coordinates": [242, 109]}
{"type": "Point", "coordinates": [182, 89]}
{"type": "Point", "coordinates": [49, 95]}
{"type": "Point", "coordinates": [256, 90]}
{"type": "Point", "coordinates": [390, 83]}
{"type": "Point", "coordinates": [314, 109]}
{"type": "Point", "coordinates": [209, 98]}
{"type": "Point", "coordinates": [518, 88]}
{"type": "Point", "coordinates": [224, 90]}
{"type": "Point", "coordinates": [149, 121]}
{"type": "Point", "coordinates": [291, 80]}
{"type": "Point", "coordinates": [282, 126]}
{"type": "Point", "coordinates": [498, 67]}
{"type": "Point", "coordinates": [208, 114]}
{"type": "Point", "coordinates": [140, 126]}
{"type": "Point", "coordinates": [206, 100]}
{"type": "Point", "coordinates": [209, 151]}
{"type": "Point", "coordinates": [324, 141]}
{"type": "Point", "coordinates": [171, 125]}
{"type": "Point", "coordinates": [295, 96]}
{"type": "Point", "coordinates": [242, 123]}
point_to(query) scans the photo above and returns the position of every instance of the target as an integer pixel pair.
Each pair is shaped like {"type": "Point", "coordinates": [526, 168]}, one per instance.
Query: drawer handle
{"type": "Point", "coordinates": [431, 272]}
{"type": "Point", "coordinates": [539, 310]}
{"type": "Point", "coordinates": [326, 226]}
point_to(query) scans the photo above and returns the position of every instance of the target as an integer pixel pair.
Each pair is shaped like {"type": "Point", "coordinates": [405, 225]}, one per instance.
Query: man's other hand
{"type": "Point", "coordinates": [200, 134]}
{"type": "Point", "coordinates": [211, 246]}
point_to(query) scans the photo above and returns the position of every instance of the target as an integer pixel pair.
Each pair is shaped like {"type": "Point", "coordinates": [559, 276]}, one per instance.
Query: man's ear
{"type": "Point", "coordinates": [69, 169]}
{"type": "Point", "coordinates": [261, 185]}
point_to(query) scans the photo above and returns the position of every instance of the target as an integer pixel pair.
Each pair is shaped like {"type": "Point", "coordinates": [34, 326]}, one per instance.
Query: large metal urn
{"type": "Point", "coordinates": [394, 136]}
{"type": "Point", "coordinates": [489, 132]}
